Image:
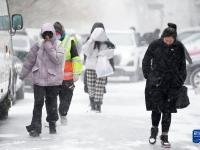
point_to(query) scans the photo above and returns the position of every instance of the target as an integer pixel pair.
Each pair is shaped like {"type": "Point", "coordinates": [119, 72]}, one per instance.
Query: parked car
{"type": "Point", "coordinates": [128, 54]}
{"type": "Point", "coordinates": [185, 33]}
{"type": "Point", "coordinates": [21, 46]}
{"type": "Point", "coordinates": [193, 73]}
{"type": "Point", "coordinates": [192, 44]}
{"type": "Point", "coordinates": [191, 39]}
{"type": "Point", "coordinates": [7, 63]}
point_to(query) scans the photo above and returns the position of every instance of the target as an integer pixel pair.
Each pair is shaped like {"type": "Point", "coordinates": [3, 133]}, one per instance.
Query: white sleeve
{"type": "Point", "coordinates": [109, 53]}
{"type": "Point", "coordinates": [88, 47]}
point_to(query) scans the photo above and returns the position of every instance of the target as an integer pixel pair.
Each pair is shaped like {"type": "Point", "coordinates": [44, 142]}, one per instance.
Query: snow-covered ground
{"type": "Point", "coordinates": [124, 123]}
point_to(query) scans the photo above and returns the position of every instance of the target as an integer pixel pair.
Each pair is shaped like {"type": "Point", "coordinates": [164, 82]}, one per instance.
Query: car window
{"type": "Point", "coordinates": [121, 39]}
{"type": "Point", "coordinates": [4, 19]}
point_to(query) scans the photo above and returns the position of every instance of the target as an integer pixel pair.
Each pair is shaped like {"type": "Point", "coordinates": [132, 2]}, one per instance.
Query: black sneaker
{"type": "Point", "coordinates": [52, 127]}
{"type": "Point", "coordinates": [164, 141]}
{"type": "Point", "coordinates": [154, 133]}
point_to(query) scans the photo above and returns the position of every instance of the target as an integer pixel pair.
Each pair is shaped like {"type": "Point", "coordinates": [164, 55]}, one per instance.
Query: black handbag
{"type": "Point", "coordinates": [182, 98]}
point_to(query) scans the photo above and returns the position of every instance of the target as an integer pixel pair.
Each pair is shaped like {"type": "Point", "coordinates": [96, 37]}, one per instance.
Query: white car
{"type": "Point", "coordinates": [7, 63]}
{"type": "Point", "coordinates": [128, 55]}
{"type": "Point", "coordinates": [185, 33]}
{"type": "Point", "coordinates": [192, 43]}
{"type": "Point", "coordinates": [21, 46]}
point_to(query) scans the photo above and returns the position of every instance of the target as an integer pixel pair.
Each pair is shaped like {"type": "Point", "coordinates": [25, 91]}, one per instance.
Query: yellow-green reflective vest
{"type": "Point", "coordinates": [73, 66]}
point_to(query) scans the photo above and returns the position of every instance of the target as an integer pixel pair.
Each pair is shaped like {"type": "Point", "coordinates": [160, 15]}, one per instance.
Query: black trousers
{"type": "Point", "coordinates": [166, 120]}
{"type": "Point", "coordinates": [65, 95]}
{"type": "Point", "coordinates": [49, 93]}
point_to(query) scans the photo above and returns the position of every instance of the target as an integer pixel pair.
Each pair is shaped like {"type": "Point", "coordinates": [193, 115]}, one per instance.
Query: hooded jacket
{"type": "Point", "coordinates": [92, 53]}
{"type": "Point", "coordinates": [46, 61]}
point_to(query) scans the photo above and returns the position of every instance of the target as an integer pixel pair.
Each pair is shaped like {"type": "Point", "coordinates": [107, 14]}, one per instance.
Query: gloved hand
{"type": "Point", "coordinates": [47, 45]}
{"type": "Point", "coordinates": [53, 39]}
{"type": "Point", "coordinates": [98, 35]}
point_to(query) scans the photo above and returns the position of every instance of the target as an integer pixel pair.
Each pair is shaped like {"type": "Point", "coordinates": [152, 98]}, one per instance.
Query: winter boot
{"type": "Point", "coordinates": [92, 104]}
{"type": "Point", "coordinates": [32, 132]}
{"type": "Point", "coordinates": [164, 141]}
{"type": "Point", "coordinates": [154, 133]}
{"type": "Point", "coordinates": [98, 107]}
{"type": "Point", "coordinates": [63, 120]}
{"type": "Point", "coordinates": [52, 127]}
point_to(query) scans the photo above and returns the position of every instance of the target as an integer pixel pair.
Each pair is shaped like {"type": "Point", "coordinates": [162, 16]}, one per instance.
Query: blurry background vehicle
{"type": "Point", "coordinates": [193, 73]}
{"type": "Point", "coordinates": [21, 46]}
{"type": "Point", "coordinates": [8, 77]}
{"type": "Point", "coordinates": [127, 54]}
{"type": "Point", "coordinates": [191, 39]}
{"type": "Point", "coordinates": [185, 33]}
{"type": "Point", "coordinates": [192, 43]}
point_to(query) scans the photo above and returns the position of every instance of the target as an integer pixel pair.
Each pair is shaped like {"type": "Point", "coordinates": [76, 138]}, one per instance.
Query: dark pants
{"type": "Point", "coordinates": [65, 95]}
{"type": "Point", "coordinates": [49, 93]}
{"type": "Point", "coordinates": [166, 120]}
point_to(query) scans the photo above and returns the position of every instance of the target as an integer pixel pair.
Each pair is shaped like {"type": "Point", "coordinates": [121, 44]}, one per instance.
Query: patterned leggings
{"type": "Point", "coordinates": [95, 85]}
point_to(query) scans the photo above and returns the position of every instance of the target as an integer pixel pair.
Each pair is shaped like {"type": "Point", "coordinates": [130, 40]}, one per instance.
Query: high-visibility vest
{"type": "Point", "coordinates": [73, 66]}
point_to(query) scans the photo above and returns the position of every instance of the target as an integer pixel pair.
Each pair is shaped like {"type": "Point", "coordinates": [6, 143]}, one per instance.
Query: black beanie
{"type": "Point", "coordinates": [58, 27]}
{"type": "Point", "coordinates": [171, 30]}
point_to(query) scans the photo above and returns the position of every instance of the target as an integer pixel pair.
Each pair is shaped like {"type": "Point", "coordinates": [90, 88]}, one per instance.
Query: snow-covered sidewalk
{"type": "Point", "coordinates": [124, 123]}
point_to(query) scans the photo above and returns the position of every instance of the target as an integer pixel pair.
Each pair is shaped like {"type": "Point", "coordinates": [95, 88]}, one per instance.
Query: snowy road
{"type": "Point", "coordinates": [123, 124]}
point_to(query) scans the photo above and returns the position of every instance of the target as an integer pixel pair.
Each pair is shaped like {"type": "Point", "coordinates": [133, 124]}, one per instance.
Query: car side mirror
{"type": "Point", "coordinates": [17, 22]}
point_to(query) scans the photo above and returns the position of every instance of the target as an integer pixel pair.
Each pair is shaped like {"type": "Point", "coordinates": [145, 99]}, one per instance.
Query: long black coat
{"type": "Point", "coordinates": [164, 67]}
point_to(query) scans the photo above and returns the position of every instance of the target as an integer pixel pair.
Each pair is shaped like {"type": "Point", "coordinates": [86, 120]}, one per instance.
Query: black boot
{"type": "Point", "coordinates": [92, 104]}
{"type": "Point", "coordinates": [32, 132]}
{"type": "Point", "coordinates": [154, 134]}
{"type": "Point", "coordinates": [98, 106]}
{"type": "Point", "coordinates": [52, 127]}
{"type": "Point", "coordinates": [164, 141]}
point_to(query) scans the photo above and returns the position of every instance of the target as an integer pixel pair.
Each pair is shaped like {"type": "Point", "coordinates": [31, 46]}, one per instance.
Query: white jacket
{"type": "Point", "coordinates": [92, 54]}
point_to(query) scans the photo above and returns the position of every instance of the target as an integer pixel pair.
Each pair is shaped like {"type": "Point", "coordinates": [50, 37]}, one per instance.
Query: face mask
{"type": "Point", "coordinates": [58, 36]}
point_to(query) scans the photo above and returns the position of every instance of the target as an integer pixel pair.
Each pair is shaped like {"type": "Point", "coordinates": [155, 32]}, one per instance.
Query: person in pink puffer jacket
{"type": "Point", "coordinates": [46, 62]}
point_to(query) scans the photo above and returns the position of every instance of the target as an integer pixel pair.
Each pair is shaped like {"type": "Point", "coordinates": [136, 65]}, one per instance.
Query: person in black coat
{"type": "Point", "coordinates": [164, 68]}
